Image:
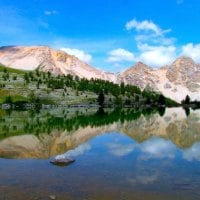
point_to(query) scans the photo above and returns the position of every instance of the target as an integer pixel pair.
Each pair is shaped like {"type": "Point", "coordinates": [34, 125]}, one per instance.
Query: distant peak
{"type": "Point", "coordinates": [6, 47]}
{"type": "Point", "coordinates": [137, 67]}
{"type": "Point", "coordinates": [183, 59]}
{"type": "Point", "coordinates": [141, 65]}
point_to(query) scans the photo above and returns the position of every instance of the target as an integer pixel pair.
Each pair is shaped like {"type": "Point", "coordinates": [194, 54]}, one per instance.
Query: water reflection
{"type": "Point", "coordinates": [129, 154]}
{"type": "Point", "coordinates": [192, 153]}
{"type": "Point", "coordinates": [28, 134]}
{"type": "Point", "coordinates": [158, 148]}
{"type": "Point", "coordinates": [118, 149]}
{"type": "Point", "coordinates": [81, 149]}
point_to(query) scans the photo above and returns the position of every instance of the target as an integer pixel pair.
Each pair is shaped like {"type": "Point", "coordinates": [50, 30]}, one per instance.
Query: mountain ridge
{"type": "Point", "coordinates": [47, 59]}
{"type": "Point", "coordinates": [180, 78]}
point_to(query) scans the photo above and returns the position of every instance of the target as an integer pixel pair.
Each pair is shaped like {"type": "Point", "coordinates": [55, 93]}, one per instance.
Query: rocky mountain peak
{"type": "Point", "coordinates": [141, 66]}
{"type": "Point", "coordinates": [138, 67]}
{"type": "Point", "coordinates": [140, 75]}
{"type": "Point", "coordinates": [183, 61]}
{"type": "Point", "coordinates": [183, 70]}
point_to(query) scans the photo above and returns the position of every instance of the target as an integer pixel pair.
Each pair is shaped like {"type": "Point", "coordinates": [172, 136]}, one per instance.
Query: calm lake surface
{"type": "Point", "coordinates": [120, 154]}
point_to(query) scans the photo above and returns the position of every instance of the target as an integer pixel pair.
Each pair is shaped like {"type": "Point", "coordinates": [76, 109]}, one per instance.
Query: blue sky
{"type": "Point", "coordinates": [108, 34]}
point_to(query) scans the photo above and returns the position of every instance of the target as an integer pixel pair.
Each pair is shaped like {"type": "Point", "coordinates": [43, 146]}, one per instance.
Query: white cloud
{"type": "Point", "coordinates": [154, 39]}
{"type": "Point", "coordinates": [145, 25]}
{"type": "Point", "coordinates": [50, 12]}
{"type": "Point", "coordinates": [79, 54]}
{"type": "Point", "coordinates": [192, 50]}
{"type": "Point", "coordinates": [153, 47]}
{"type": "Point", "coordinates": [156, 56]}
{"type": "Point", "coordinates": [120, 55]}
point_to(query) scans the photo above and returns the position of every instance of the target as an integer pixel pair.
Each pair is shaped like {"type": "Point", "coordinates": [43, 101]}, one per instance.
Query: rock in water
{"type": "Point", "coordinates": [62, 161]}
{"type": "Point", "coordinates": [53, 197]}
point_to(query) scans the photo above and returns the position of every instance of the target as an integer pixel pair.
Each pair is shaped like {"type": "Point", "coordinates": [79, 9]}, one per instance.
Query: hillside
{"type": "Point", "coordinates": [48, 59]}
{"type": "Point", "coordinates": [14, 84]}
{"type": "Point", "coordinates": [37, 87]}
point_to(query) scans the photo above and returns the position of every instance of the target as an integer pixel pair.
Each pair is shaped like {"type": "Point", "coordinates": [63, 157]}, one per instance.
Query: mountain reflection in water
{"type": "Point", "coordinates": [27, 134]}
{"type": "Point", "coordinates": [120, 154]}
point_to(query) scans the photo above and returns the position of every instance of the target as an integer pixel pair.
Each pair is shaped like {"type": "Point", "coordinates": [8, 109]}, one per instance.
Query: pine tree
{"type": "Point", "coordinates": [161, 99]}
{"type": "Point", "coordinates": [101, 99]}
{"type": "Point", "coordinates": [186, 100]}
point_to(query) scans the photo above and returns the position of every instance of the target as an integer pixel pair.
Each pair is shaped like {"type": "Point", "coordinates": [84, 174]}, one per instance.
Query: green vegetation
{"type": "Point", "coordinates": [11, 70]}
{"type": "Point", "coordinates": [101, 99]}
{"type": "Point", "coordinates": [186, 100]}
{"type": "Point", "coordinates": [36, 87]}
{"type": "Point", "coordinates": [187, 103]}
{"type": "Point", "coordinates": [39, 122]}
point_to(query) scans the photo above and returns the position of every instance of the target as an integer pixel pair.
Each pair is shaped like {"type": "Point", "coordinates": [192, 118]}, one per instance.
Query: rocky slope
{"type": "Point", "coordinates": [48, 59]}
{"type": "Point", "coordinates": [140, 75]}
{"type": "Point", "coordinates": [177, 80]}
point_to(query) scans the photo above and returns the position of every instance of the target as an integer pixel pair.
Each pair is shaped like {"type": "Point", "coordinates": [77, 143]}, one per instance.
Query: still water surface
{"type": "Point", "coordinates": [120, 154]}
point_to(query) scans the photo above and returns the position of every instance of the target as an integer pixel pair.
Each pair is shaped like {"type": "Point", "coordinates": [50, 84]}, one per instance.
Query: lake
{"type": "Point", "coordinates": [119, 154]}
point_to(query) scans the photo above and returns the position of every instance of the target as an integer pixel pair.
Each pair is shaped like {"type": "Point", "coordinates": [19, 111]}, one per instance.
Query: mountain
{"type": "Point", "coordinates": [140, 75]}
{"type": "Point", "coordinates": [175, 81]}
{"type": "Point", "coordinates": [47, 59]}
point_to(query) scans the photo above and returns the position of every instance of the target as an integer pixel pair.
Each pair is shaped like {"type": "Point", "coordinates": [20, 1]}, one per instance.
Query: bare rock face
{"type": "Point", "coordinates": [47, 59]}
{"type": "Point", "coordinates": [175, 81]}
{"type": "Point", "coordinates": [140, 75]}
{"type": "Point", "coordinates": [184, 71]}
{"type": "Point", "coordinates": [167, 86]}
